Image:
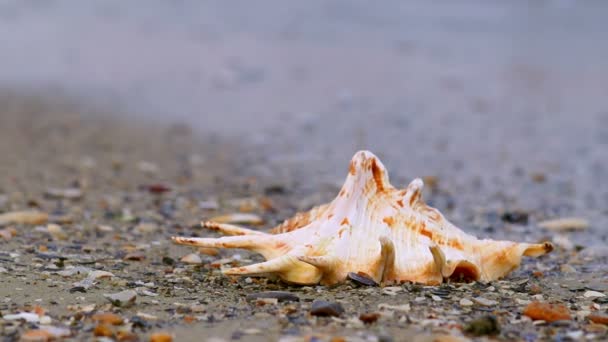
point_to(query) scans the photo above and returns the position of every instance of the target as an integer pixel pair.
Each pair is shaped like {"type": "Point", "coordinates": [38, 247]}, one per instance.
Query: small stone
{"type": "Point", "coordinates": [122, 299]}
{"type": "Point", "coordinates": [103, 330]}
{"type": "Point", "coordinates": [400, 308]}
{"type": "Point", "coordinates": [209, 205]}
{"type": "Point", "coordinates": [97, 274]}
{"type": "Point", "coordinates": [135, 256]}
{"type": "Point", "coordinates": [29, 317]}
{"type": "Point", "coordinates": [161, 337]}
{"type": "Point", "coordinates": [598, 319]}
{"type": "Point", "coordinates": [105, 228]}
{"type": "Point", "coordinates": [147, 167]}
{"type": "Point", "coordinates": [107, 318]}
{"type": "Point", "coordinates": [56, 231]}
{"type": "Point", "coordinates": [281, 296]}
{"type": "Point", "coordinates": [565, 268]}
{"type": "Point", "coordinates": [266, 301]}
{"type": "Point", "coordinates": [326, 309]}
{"type": "Point", "coordinates": [30, 217]}
{"type": "Point", "coordinates": [565, 224]}
{"type": "Point", "coordinates": [484, 301]}
{"type": "Point", "coordinates": [146, 316]}
{"type": "Point", "coordinates": [466, 302]}
{"type": "Point", "coordinates": [575, 335]}
{"type": "Point", "coordinates": [361, 279]}
{"type": "Point", "coordinates": [519, 217]}
{"type": "Point", "coordinates": [146, 228]}
{"type": "Point", "coordinates": [192, 258]}
{"type": "Point", "coordinates": [391, 290]}
{"type": "Point", "coordinates": [487, 325]}
{"type": "Point", "coordinates": [8, 233]}
{"type": "Point", "coordinates": [593, 294]}
{"type": "Point", "coordinates": [69, 193]}
{"type": "Point", "coordinates": [37, 335]}
{"type": "Point", "coordinates": [547, 312]}
{"type": "Point", "coordinates": [239, 218]}
{"type": "Point", "coordinates": [369, 318]}
{"type": "Point", "coordinates": [3, 270]}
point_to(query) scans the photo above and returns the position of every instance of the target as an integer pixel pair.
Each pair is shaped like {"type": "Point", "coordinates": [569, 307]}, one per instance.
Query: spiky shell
{"type": "Point", "coordinates": [374, 229]}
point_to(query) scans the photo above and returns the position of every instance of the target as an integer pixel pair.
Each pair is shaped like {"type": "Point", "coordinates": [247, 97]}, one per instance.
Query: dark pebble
{"type": "Point", "coordinates": [78, 289]}
{"type": "Point", "coordinates": [361, 279]}
{"type": "Point", "coordinates": [326, 309]}
{"type": "Point", "coordinates": [168, 261]}
{"type": "Point", "coordinates": [281, 296]}
{"type": "Point", "coordinates": [515, 217]}
{"type": "Point", "coordinates": [487, 325]}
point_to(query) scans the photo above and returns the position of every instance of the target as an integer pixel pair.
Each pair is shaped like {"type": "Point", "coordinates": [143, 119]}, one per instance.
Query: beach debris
{"type": "Point", "coordinates": [161, 337]}
{"type": "Point", "coordinates": [486, 325]}
{"type": "Point", "coordinates": [369, 317]}
{"type": "Point", "coordinates": [361, 279]}
{"type": "Point", "coordinates": [56, 231]}
{"type": "Point", "coordinates": [242, 218]}
{"type": "Point", "coordinates": [598, 318]}
{"type": "Point", "coordinates": [281, 296]}
{"type": "Point", "coordinates": [396, 236]}
{"type": "Point", "coordinates": [68, 193]}
{"type": "Point", "coordinates": [8, 233]}
{"type": "Point", "coordinates": [192, 258]}
{"type": "Point", "coordinates": [107, 318]}
{"type": "Point", "coordinates": [547, 312]}
{"type": "Point", "coordinates": [122, 299]}
{"type": "Point", "coordinates": [565, 224]}
{"type": "Point", "coordinates": [326, 309]}
{"type": "Point", "coordinates": [32, 217]}
{"type": "Point", "coordinates": [593, 294]}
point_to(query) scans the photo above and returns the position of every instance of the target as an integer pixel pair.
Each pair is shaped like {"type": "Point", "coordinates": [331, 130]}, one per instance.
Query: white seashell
{"type": "Point", "coordinates": [373, 229]}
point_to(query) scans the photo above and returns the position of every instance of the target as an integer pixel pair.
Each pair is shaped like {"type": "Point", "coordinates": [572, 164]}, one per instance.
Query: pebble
{"type": "Point", "coordinates": [56, 231]}
{"type": "Point", "coordinates": [593, 294]}
{"type": "Point", "coordinates": [29, 317]}
{"type": "Point", "coordinates": [391, 290]}
{"type": "Point", "coordinates": [326, 309]}
{"type": "Point", "coordinates": [369, 318]}
{"type": "Point", "coordinates": [484, 301]}
{"type": "Point", "coordinates": [3, 270]}
{"type": "Point", "coordinates": [239, 218]}
{"type": "Point", "coordinates": [69, 193]}
{"type": "Point", "coordinates": [389, 307]}
{"type": "Point", "coordinates": [598, 318]}
{"type": "Point", "coordinates": [8, 233]}
{"type": "Point", "coordinates": [209, 205]}
{"type": "Point", "coordinates": [281, 296]}
{"type": "Point", "coordinates": [161, 337]}
{"type": "Point", "coordinates": [37, 335]}
{"type": "Point", "coordinates": [146, 228]}
{"type": "Point", "coordinates": [31, 217]}
{"type": "Point", "coordinates": [107, 318]}
{"type": "Point", "coordinates": [547, 312]}
{"type": "Point", "coordinates": [192, 258]}
{"type": "Point", "coordinates": [361, 279]}
{"type": "Point", "coordinates": [466, 302]}
{"type": "Point", "coordinates": [565, 224]}
{"type": "Point", "coordinates": [487, 325]}
{"type": "Point", "coordinates": [105, 228]}
{"type": "Point", "coordinates": [103, 330]}
{"type": "Point", "coordinates": [122, 299]}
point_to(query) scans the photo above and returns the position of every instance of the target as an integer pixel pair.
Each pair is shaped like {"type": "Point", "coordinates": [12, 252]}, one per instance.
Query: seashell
{"type": "Point", "coordinates": [371, 229]}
